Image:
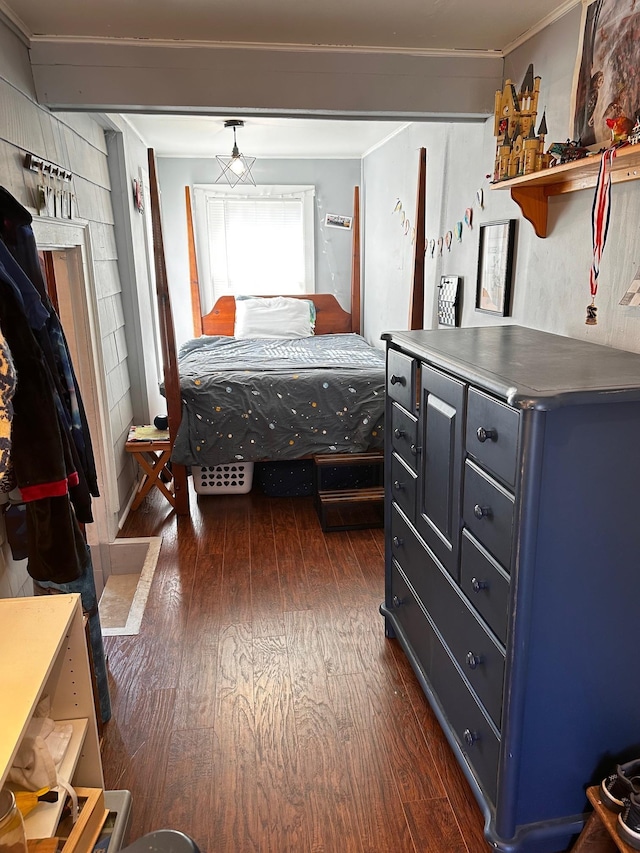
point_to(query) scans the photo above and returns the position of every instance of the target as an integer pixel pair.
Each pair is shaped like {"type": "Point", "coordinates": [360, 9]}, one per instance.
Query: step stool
{"type": "Point", "coordinates": [349, 508]}
{"type": "Point", "coordinates": [153, 456]}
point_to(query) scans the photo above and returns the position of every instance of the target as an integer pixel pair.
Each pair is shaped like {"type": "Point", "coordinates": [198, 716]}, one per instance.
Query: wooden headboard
{"type": "Point", "coordinates": [330, 317]}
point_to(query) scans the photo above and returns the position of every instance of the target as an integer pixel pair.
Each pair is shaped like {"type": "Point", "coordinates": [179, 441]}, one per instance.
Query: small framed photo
{"type": "Point", "coordinates": [449, 300]}
{"type": "Point", "coordinates": [495, 267]}
{"type": "Point", "coordinates": [335, 221]}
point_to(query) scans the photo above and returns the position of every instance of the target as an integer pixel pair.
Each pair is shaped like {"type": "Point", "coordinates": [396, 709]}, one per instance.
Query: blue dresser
{"type": "Point", "coordinates": [512, 521]}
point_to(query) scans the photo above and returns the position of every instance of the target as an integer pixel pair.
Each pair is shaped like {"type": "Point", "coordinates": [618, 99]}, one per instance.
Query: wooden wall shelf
{"type": "Point", "coordinates": [531, 192]}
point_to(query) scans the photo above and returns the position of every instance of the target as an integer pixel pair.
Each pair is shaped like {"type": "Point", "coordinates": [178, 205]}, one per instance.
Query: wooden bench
{"type": "Point", "coordinates": [349, 508]}
{"type": "Point", "coordinates": [600, 834]}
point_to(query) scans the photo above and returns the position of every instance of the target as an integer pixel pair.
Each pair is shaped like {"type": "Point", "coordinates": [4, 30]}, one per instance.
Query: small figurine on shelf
{"type": "Point", "coordinates": [620, 128]}
{"type": "Point", "coordinates": [634, 136]}
{"type": "Point", "coordinates": [567, 152]}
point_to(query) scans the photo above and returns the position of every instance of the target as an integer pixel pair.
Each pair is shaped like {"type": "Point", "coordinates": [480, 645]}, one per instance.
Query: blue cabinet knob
{"type": "Point", "coordinates": [470, 737]}
{"type": "Point", "coordinates": [483, 434]}
{"type": "Point", "coordinates": [473, 660]}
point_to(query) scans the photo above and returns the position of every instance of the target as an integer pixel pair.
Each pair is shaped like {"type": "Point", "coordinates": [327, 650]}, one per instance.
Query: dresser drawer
{"type": "Point", "coordinates": [403, 485]}
{"type": "Point", "coordinates": [478, 655]}
{"type": "Point", "coordinates": [401, 379]}
{"type": "Point", "coordinates": [473, 731]}
{"type": "Point", "coordinates": [492, 435]}
{"type": "Point", "coordinates": [475, 734]}
{"type": "Point", "coordinates": [415, 625]}
{"type": "Point", "coordinates": [487, 510]}
{"type": "Point", "coordinates": [404, 434]}
{"type": "Point", "coordinates": [485, 584]}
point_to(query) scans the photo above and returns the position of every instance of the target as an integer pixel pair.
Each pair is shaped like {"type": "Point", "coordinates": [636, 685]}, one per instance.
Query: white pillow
{"type": "Point", "coordinates": [274, 317]}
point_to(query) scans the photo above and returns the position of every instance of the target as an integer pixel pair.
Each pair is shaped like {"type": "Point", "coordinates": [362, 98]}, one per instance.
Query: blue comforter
{"type": "Point", "coordinates": [278, 399]}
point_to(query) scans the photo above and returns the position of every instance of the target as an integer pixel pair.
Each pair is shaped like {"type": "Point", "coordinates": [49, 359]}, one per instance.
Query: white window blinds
{"type": "Point", "coordinates": [260, 244]}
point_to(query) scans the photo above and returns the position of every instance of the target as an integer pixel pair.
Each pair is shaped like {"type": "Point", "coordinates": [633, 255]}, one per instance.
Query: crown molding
{"type": "Point", "coordinates": [551, 18]}
{"type": "Point", "coordinates": [270, 46]}
{"type": "Point", "coordinates": [15, 23]}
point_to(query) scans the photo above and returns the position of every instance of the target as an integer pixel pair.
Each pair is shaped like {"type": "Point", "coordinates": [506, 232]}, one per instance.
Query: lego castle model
{"type": "Point", "coordinates": [520, 148]}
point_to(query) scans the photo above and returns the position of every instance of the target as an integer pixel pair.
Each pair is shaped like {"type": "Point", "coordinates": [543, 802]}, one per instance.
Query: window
{"type": "Point", "coordinates": [254, 241]}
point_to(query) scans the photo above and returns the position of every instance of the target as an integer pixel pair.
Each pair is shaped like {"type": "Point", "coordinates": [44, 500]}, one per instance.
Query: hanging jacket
{"type": "Point", "coordinates": [15, 228]}
{"type": "Point", "coordinates": [39, 451]}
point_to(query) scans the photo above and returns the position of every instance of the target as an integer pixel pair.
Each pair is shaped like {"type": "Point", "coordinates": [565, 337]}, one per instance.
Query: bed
{"type": "Point", "coordinates": [266, 398]}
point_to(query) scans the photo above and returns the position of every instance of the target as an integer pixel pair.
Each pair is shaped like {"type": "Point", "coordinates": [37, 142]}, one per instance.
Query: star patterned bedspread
{"type": "Point", "coordinates": [278, 399]}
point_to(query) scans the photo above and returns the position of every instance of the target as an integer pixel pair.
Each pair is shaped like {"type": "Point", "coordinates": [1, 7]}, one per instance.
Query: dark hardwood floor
{"type": "Point", "coordinates": [261, 707]}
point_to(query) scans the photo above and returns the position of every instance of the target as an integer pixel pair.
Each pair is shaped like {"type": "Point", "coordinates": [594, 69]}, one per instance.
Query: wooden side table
{"type": "Point", "coordinates": [152, 455]}
{"type": "Point", "coordinates": [599, 834]}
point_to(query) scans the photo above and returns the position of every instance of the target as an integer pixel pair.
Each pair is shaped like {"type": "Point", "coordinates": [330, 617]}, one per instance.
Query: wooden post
{"type": "Point", "coordinates": [193, 269]}
{"type": "Point", "coordinates": [416, 306]}
{"type": "Point", "coordinates": [356, 283]}
{"type": "Point", "coordinates": [167, 338]}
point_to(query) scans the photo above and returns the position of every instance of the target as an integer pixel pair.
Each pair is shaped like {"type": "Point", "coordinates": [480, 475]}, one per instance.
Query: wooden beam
{"type": "Point", "coordinates": [356, 283]}
{"type": "Point", "coordinates": [167, 338]}
{"type": "Point", "coordinates": [416, 307]}
{"type": "Point", "coordinates": [196, 311]}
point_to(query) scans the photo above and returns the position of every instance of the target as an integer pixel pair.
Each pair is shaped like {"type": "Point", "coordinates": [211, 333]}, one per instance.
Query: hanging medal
{"type": "Point", "coordinates": [448, 237]}
{"type": "Point", "coordinates": [468, 217]}
{"type": "Point", "coordinates": [432, 247]}
{"type": "Point", "coordinates": [599, 228]}
{"type": "Point", "coordinates": [440, 245]}
{"type": "Point", "coordinates": [459, 232]}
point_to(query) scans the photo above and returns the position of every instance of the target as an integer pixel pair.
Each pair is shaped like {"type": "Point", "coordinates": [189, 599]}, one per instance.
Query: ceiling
{"type": "Point", "coordinates": [490, 25]}
{"type": "Point", "coordinates": [263, 137]}
{"type": "Point", "coordinates": [374, 27]}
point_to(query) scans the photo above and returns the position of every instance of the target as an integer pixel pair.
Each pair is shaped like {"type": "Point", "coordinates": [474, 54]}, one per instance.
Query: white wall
{"type": "Point", "coordinates": [128, 161]}
{"type": "Point", "coordinates": [551, 276]}
{"type": "Point", "coordinates": [334, 181]}
{"type": "Point", "coordinates": [76, 142]}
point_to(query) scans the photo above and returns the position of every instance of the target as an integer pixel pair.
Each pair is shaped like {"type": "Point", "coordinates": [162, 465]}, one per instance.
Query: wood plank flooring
{"type": "Point", "coordinates": [261, 707]}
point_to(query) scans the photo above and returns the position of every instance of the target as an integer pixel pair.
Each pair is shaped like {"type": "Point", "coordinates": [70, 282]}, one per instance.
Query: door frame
{"type": "Point", "coordinates": [71, 245]}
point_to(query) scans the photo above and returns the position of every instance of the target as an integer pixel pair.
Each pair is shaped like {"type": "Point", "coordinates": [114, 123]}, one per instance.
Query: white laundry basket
{"type": "Point", "coordinates": [233, 478]}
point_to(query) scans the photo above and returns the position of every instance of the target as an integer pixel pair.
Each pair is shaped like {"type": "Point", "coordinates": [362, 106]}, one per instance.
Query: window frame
{"type": "Point", "coordinates": [201, 195]}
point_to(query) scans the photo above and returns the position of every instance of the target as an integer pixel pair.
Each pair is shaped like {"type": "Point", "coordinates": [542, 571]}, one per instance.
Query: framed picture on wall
{"type": "Point", "coordinates": [606, 83]}
{"type": "Point", "coordinates": [495, 267]}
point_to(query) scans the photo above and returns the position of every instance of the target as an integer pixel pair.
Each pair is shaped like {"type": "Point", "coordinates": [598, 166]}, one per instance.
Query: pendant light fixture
{"type": "Point", "coordinates": [236, 169]}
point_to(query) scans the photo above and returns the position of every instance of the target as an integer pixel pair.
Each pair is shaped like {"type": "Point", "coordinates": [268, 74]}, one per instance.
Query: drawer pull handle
{"type": "Point", "coordinates": [398, 380]}
{"type": "Point", "coordinates": [399, 433]}
{"type": "Point", "coordinates": [398, 542]}
{"type": "Point", "coordinates": [397, 602]}
{"type": "Point", "coordinates": [478, 585]}
{"type": "Point", "coordinates": [481, 511]}
{"type": "Point", "coordinates": [398, 486]}
{"type": "Point", "coordinates": [470, 737]}
{"type": "Point", "coordinates": [473, 661]}
{"type": "Point", "coordinates": [486, 434]}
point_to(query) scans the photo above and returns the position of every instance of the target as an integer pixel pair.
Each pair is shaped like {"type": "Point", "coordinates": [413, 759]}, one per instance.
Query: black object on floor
{"type": "Point", "coordinates": [163, 841]}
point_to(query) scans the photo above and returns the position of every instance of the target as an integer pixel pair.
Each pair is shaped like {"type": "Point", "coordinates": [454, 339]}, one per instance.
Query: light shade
{"type": "Point", "coordinates": [235, 169]}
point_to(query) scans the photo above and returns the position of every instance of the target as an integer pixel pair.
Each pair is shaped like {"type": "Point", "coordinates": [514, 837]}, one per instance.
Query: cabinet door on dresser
{"type": "Point", "coordinates": [442, 415]}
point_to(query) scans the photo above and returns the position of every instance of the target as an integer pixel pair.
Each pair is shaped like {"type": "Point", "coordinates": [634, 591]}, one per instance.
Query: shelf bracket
{"type": "Point", "coordinates": [533, 203]}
